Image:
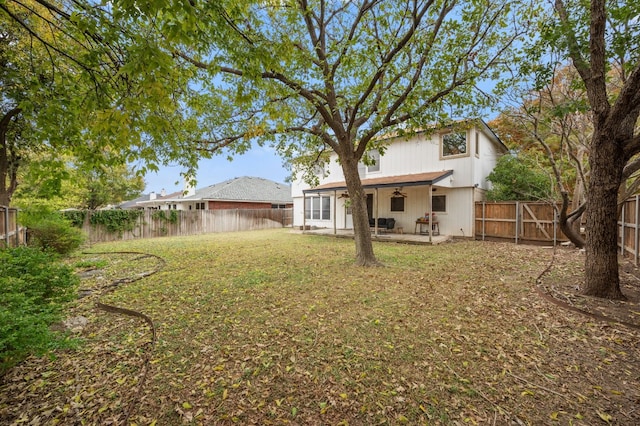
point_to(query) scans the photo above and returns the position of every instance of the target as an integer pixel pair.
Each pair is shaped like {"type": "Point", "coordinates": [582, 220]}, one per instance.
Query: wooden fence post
{"type": "Point", "coordinates": [635, 239]}
{"type": "Point", "coordinates": [484, 214]}
{"type": "Point", "coordinates": [518, 218]}
{"type": "Point", "coordinates": [6, 225]}
{"type": "Point", "coordinates": [624, 205]}
{"type": "Point", "coordinates": [555, 228]}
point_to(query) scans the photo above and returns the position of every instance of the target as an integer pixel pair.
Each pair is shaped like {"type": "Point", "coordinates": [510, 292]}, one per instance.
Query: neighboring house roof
{"type": "Point", "coordinates": [245, 189]}
{"type": "Point", "coordinates": [388, 181]}
{"type": "Point", "coordinates": [160, 200]}
{"type": "Point", "coordinates": [132, 204]}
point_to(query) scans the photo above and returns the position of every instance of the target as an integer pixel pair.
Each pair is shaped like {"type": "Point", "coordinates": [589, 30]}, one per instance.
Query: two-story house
{"type": "Point", "coordinates": [441, 172]}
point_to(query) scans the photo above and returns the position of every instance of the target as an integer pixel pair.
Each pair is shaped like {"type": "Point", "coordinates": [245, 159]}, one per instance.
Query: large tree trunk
{"type": "Point", "coordinates": [362, 234]}
{"type": "Point", "coordinates": [8, 177]}
{"type": "Point", "coordinates": [601, 264]}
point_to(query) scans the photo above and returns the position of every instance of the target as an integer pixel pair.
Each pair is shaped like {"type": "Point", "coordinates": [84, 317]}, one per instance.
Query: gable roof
{"type": "Point", "coordinates": [245, 188]}
{"type": "Point", "coordinates": [132, 204]}
{"type": "Point", "coordinates": [401, 180]}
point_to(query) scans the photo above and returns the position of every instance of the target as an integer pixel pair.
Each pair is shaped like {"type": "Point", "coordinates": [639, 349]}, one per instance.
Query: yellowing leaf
{"type": "Point", "coordinates": [343, 395]}
{"type": "Point", "coordinates": [554, 415]}
{"type": "Point", "coordinates": [526, 392]}
{"type": "Point", "coordinates": [604, 416]}
{"type": "Point", "coordinates": [187, 406]}
{"type": "Point", "coordinates": [225, 394]}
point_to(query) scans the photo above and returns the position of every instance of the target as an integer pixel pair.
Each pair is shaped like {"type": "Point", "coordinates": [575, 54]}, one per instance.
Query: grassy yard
{"type": "Point", "coordinates": [272, 327]}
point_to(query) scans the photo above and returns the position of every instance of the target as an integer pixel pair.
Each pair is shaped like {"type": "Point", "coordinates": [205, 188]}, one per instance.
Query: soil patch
{"type": "Point", "coordinates": [565, 282]}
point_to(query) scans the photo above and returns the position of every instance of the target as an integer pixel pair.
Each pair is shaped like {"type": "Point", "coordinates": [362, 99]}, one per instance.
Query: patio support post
{"type": "Point", "coordinates": [375, 204]}
{"type": "Point", "coordinates": [304, 212]}
{"type": "Point", "coordinates": [335, 201]}
{"type": "Point", "coordinates": [429, 212]}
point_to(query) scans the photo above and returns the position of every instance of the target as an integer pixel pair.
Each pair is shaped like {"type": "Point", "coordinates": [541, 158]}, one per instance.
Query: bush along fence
{"type": "Point", "coordinates": [11, 233]}
{"type": "Point", "coordinates": [519, 221]}
{"type": "Point", "coordinates": [113, 225]}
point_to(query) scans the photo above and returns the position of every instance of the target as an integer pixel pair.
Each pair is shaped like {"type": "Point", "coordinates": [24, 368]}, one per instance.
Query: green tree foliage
{"type": "Point", "coordinates": [519, 178]}
{"type": "Point", "coordinates": [599, 37]}
{"type": "Point", "coordinates": [79, 81]}
{"type": "Point", "coordinates": [315, 76]}
{"type": "Point", "coordinates": [76, 186]}
{"type": "Point", "coordinates": [552, 120]}
{"type": "Point", "coordinates": [34, 287]}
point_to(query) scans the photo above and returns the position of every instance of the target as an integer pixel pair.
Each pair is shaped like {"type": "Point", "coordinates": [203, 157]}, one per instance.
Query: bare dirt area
{"type": "Point", "coordinates": [565, 283]}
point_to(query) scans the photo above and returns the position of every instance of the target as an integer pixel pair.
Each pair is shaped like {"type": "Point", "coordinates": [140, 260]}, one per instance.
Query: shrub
{"type": "Point", "coordinates": [34, 287]}
{"type": "Point", "coordinates": [519, 178]}
{"type": "Point", "coordinates": [50, 231]}
{"type": "Point", "coordinates": [56, 234]}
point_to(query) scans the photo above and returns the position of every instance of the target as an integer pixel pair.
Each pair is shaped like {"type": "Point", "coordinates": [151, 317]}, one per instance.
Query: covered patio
{"type": "Point", "coordinates": [373, 185]}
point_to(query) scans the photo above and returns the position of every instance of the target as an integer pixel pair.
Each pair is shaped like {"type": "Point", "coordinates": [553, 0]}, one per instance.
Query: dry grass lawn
{"type": "Point", "coordinates": [273, 327]}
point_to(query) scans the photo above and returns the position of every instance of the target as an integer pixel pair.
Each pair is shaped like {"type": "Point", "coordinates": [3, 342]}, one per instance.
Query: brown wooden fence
{"type": "Point", "coordinates": [629, 228]}
{"type": "Point", "coordinates": [193, 222]}
{"type": "Point", "coordinates": [527, 222]}
{"type": "Point", "coordinates": [537, 222]}
{"type": "Point", "coordinates": [11, 234]}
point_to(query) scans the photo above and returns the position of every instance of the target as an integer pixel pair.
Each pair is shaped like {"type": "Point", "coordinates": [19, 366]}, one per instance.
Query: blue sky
{"type": "Point", "coordinates": [259, 162]}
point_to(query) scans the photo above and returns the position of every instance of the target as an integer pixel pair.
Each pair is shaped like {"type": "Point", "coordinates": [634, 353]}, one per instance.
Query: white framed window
{"type": "Point", "coordinates": [374, 157]}
{"type": "Point", "coordinates": [320, 170]}
{"type": "Point", "coordinates": [477, 144]}
{"type": "Point", "coordinates": [454, 144]}
{"type": "Point", "coordinates": [317, 207]}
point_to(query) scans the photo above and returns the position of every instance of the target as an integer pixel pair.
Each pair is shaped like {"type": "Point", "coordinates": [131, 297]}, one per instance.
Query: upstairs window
{"type": "Point", "coordinates": [374, 157]}
{"type": "Point", "coordinates": [454, 143]}
{"type": "Point", "coordinates": [320, 170]}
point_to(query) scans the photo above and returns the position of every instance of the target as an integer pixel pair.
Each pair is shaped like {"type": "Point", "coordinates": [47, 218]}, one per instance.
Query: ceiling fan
{"type": "Point", "coordinates": [397, 193]}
